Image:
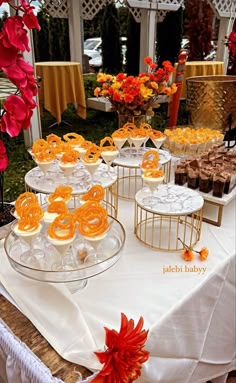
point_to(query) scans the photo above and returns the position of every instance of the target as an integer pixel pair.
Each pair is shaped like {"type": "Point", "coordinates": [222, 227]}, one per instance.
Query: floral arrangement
{"type": "Point", "coordinates": [134, 95]}
{"type": "Point", "coordinates": [17, 109]}
{"type": "Point", "coordinates": [124, 355]}
{"type": "Point", "coordinates": [188, 254]}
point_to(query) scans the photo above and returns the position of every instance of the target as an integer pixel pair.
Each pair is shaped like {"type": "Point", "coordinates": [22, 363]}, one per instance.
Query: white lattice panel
{"type": "Point", "coordinates": [91, 7]}
{"type": "Point", "coordinates": [224, 8]}
{"type": "Point", "coordinates": [56, 8]}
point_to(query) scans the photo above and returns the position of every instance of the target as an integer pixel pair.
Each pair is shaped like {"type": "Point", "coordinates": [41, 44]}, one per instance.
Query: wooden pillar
{"type": "Point", "coordinates": [75, 31]}
{"type": "Point", "coordinates": [222, 51]}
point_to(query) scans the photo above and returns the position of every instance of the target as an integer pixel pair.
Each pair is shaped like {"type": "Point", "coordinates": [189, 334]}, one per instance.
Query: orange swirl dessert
{"type": "Point", "coordinates": [61, 193]}
{"type": "Point", "coordinates": [95, 193]}
{"type": "Point", "coordinates": [119, 137]}
{"type": "Point", "coordinates": [40, 145]}
{"type": "Point", "coordinates": [150, 160]}
{"type": "Point", "coordinates": [24, 200]}
{"type": "Point", "coordinates": [63, 227]}
{"type": "Point", "coordinates": [152, 178]}
{"type": "Point", "coordinates": [73, 139]}
{"type": "Point", "coordinates": [68, 162]}
{"type": "Point", "coordinates": [92, 220]}
{"type": "Point", "coordinates": [53, 140]}
{"type": "Point", "coordinates": [109, 147]}
{"type": "Point", "coordinates": [28, 227]}
{"type": "Point", "coordinates": [54, 209]}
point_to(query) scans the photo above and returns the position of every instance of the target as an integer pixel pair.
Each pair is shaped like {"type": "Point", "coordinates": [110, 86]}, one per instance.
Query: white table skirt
{"type": "Point", "coordinates": [190, 314]}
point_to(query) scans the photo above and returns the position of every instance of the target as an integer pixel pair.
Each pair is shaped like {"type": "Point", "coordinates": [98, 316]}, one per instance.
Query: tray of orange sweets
{"type": "Point", "coordinates": [54, 243]}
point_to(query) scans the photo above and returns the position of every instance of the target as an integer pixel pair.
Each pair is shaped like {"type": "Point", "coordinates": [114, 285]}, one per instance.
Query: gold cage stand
{"type": "Point", "coordinates": [177, 214]}
{"type": "Point", "coordinates": [129, 174]}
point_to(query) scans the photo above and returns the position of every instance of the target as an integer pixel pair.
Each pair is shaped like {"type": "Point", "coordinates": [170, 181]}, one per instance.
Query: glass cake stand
{"type": "Point", "coordinates": [82, 261]}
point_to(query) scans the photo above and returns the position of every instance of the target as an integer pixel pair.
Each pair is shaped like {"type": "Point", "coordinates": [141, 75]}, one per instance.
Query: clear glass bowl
{"type": "Point", "coordinates": [94, 259]}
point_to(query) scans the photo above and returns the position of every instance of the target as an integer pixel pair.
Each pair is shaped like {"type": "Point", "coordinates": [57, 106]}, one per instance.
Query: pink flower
{"type": "Point", "coordinates": [7, 55]}
{"type": "Point", "coordinates": [3, 157]}
{"type": "Point", "coordinates": [29, 18]}
{"type": "Point", "coordinates": [14, 34]}
{"type": "Point", "coordinates": [17, 115]}
{"type": "Point", "coordinates": [4, 1]}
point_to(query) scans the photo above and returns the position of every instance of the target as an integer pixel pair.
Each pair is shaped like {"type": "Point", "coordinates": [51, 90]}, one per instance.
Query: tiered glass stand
{"type": "Point", "coordinates": [128, 170]}
{"type": "Point", "coordinates": [83, 259]}
{"type": "Point", "coordinates": [176, 212]}
{"type": "Point", "coordinates": [80, 181]}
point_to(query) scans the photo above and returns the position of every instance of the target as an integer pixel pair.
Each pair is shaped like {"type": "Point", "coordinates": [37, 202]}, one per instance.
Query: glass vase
{"type": "Point", "coordinates": [136, 120]}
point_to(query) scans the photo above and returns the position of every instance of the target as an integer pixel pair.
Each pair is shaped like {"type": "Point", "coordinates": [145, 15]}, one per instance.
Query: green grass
{"type": "Point", "coordinates": [96, 126]}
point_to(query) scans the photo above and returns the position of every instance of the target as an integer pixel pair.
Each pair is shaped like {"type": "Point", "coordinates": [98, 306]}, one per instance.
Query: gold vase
{"type": "Point", "coordinates": [211, 101]}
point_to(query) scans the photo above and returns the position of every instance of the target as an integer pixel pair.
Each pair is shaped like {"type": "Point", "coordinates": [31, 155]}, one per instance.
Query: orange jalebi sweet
{"type": "Point", "coordinates": [155, 134]}
{"type": "Point", "coordinates": [45, 156]}
{"type": "Point", "coordinates": [138, 133]}
{"type": "Point", "coordinates": [153, 173]}
{"type": "Point", "coordinates": [70, 157]}
{"type": "Point", "coordinates": [63, 227]}
{"type": "Point", "coordinates": [96, 193]}
{"type": "Point", "coordinates": [86, 144]}
{"type": "Point", "coordinates": [61, 193]}
{"type": "Point", "coordinates": [92, 154]}
{"type": "Point", "coordinates": [150, 160]}
{"type": "Point", "coordinates": [28, 224]}
{"type": "Point", "coordinates": [24, 199]}
{"type": "Point", "coordinates": [120, 133]}
{"type": "Point", "coordinates": [92, 219]}
{"type": "Point", "coordinates": [73, 138]}
{"type": "Point", "coordinates": [58, 207]}
{"type": "Point", "coordinates": [110, 147]}
{"type": "Point", "coordinates": [130, 127]}
{"type": "Point", "coordinates": [145, 126]}
{"type": "Point", "coordinates": [53, 140]}
{"type": "Point", "coordinates": [33, 210]}
{"type": "Point", "coordinates": [40, 145]}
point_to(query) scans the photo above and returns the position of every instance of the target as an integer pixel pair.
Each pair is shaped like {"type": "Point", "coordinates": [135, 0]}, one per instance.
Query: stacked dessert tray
{"type": "Point", "coordinates": [80, 181]}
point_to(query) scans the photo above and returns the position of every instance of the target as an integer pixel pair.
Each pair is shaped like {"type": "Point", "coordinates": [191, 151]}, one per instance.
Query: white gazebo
{"type": "Point", "coordinates": [147, 12]}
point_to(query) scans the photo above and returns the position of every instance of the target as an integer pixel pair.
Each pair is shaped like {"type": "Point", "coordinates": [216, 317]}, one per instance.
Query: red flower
{"type": "Point", "coordinates": [7, 55]}
{"type": "Point", "coordinates": [29, 18]}
{"type": "Point", "coordinates": [14, 34]}
{"type": "Point", "coordinates": [4, 1]}
{"type": "Point", "coordinates": [125, 354]}
{"type": "Point", "coordinates": [3, 157]}
{"type": "Point", "coordinates": [17, 116]}
{"type": "Point", "coordinates": [120, 77]}
{"type": "Point", "coordinates": [147, 60]}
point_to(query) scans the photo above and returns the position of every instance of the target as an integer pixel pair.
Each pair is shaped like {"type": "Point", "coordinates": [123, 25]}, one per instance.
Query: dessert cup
{"type": "Point", "coordinates": [68, 169]}
{"type": "Point", "coordinates": [119, 142]}
{"type": "Point", "coordinates": [108, 156]}
{"type": "Point", "coordinates": [91, 167]}
{"type": "Point", "coordinates": [158, 141]}
{"type": "Point", "coordinates": [152, 183]}
{"type": "Point", "coordinates": [62, 246]}
{"type": "Point", "coordinates": [30, 256]}
{"type": "Point", "coordinates": [44, 166]}
{"type": "Point", "coordinates": [137, 142]}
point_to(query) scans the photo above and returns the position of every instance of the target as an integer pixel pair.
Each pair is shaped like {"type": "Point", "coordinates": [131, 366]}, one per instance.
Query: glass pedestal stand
{"type": "Point", "coordinates": [80, 185]}
{"type": "Point", "coordinates": [176, 214]}
{"type": "Point", "coordinates": [78, 269]}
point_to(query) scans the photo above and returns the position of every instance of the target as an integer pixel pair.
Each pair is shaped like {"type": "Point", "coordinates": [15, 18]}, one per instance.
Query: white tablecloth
{"type": "Point", "coordinates": [189, 311]}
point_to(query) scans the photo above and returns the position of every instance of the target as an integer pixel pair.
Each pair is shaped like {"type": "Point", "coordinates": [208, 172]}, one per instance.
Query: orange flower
{"type": "Point", "coordinates": [125, 354]}
{"type": "Point", "coordinates": [187, 255]}
{"type": "Point", "coordinates": [147, 60]}
{"type": "Point", "coordinates": [203, 254]}
{"type": "Point", "coordinates": [97, 91]}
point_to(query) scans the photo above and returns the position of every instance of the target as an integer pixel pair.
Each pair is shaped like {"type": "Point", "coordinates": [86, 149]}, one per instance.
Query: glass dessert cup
{"type": "Point", "coordinates": [152, 184]}
{"type": "Point", "coordinates": [62, 247]}
{"type": "Point", "coordinates": [108, 156]}
{"type": "Point", "coordinates": [29, 254]}
{"type": "Point", "coordinates": [75, 276]}
{"type": "Point", "coordinates": [158, 142]}
{"type": "Point", "coordinates": [91, 167]}
{"type": "Point", "coordinates": [119, 142]}
{"type": "Point", "coordinates": [68, 169]}
{"type": "Point", "coordinates": [44, 166]}
{"type": "Point", "coordinates": [137, 142]}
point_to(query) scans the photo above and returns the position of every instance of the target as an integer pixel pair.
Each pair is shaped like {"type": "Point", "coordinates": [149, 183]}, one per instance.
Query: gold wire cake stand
{"type": "Point", "coordinates": [176, 213]}
{"type": "Point", "coordinates": [129, 174]}
{"type": "Point", "coordinates": [80, 181]}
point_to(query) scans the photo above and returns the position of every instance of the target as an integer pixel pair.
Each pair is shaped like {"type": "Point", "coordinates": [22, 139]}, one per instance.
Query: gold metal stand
{"type": "Point", "coordinates": [159, 226]}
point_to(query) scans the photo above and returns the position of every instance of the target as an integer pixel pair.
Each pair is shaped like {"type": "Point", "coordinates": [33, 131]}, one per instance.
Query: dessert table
{"type": "Point", "coordinates": [201, 68]}
{"type": "Point", "coordinates": [189, 308]}
{"type": "Point", "coordinates": [62, 84]}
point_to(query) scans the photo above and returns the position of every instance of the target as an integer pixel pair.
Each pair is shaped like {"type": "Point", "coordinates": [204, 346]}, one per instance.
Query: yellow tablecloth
{"type": "Point", "coordinates": [201, 68]}
{"type": "Point", "coordinates": [62, 84]}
